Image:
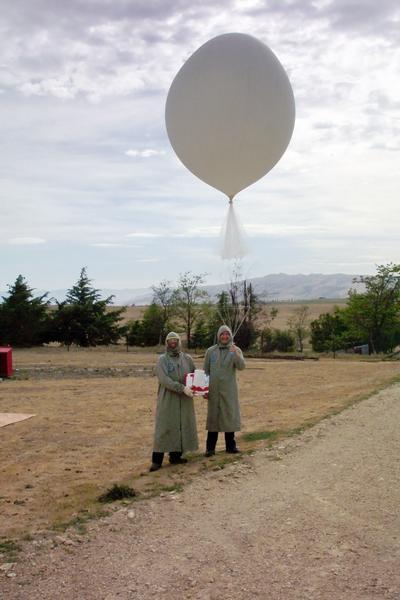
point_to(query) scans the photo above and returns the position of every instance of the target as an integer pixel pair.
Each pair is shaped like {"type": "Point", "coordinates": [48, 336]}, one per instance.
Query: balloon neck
{"type": "Point", "coordinates": [230, 199]}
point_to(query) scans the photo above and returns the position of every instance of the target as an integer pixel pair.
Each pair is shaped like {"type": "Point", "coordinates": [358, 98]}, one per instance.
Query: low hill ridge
{"type": "Point", "coordinates": [273, 287]}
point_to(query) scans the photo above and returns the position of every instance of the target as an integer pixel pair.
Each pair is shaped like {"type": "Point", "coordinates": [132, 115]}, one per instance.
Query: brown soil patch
{"type": "Point", "coordinates": [91, 432]}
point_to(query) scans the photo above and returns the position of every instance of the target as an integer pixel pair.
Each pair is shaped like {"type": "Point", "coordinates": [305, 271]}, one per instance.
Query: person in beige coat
{"type": "Point", "coordinates": [175, 426]}
{"type": "Point", "coordinates": [221, 363]}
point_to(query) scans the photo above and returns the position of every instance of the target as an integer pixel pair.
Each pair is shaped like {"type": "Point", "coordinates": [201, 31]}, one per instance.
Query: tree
{"type": "Point", "coordinates": [246, 333]}
{"type": "Point", "coordinates": [84, 319]}
{"type": "Point", "coordinates": [203, 335]}
{"type": "Point", "coordinates": [206, 326]}
{"type": "Point", "coordinates": [329, 332]}
{"type": "Point", "coordinates": [163, 295]}
{"type": "Point", "coordinates": [24, 320]}
{"type": "Point", "coordinates": [238, 308]}
{"type": "Point", "coordinates": [134, 333]}
{"type": "Point", "coordinates": [187, 299]}
{"type": "Point", "coordinates": [277, 339]}
{"type": "Point", "coordinates": [269, 314]}
{"type": "Point", "coordinates": [373, 316]}
{"type": "Point", "coordinates": [148, 331]}
{"type": "Point", "coordinates": [283, 340]}
{"type": "Point", "coordinates": [297, 324]}
{"type": "Point", "coordinates": [267, 340]}
{"type": "Point", "coordinates": [152, 325]}
{"type": "Point", "coordinates": [216, 315]}
{"type": "Point", "coordinates": [239, 304]}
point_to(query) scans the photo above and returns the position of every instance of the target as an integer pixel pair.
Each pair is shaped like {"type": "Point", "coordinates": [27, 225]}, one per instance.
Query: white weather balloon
{"type": "Point", "coordinates": [230, 112]}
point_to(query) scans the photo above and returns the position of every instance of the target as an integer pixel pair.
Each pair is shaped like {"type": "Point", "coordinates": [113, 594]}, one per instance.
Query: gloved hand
{"type": "Point", "coordinates": [188, 392]}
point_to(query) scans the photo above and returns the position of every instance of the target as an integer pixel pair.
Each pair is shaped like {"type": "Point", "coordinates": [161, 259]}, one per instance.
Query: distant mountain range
{"type": "Point", "coordinates": [282, 287]}
{"type": "Point", "coordinates": [278, 287]}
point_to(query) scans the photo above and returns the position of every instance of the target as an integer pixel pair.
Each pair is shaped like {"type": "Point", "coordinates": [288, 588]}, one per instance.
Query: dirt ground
{"type": "Point", "coordinates": [94, 425]}
{"type": "Point", "coordinates": [314, 518]}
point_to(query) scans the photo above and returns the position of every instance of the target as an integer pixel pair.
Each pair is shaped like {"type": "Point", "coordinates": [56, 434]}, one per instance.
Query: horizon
{"type": "Point", "coordinates": [141, 296]}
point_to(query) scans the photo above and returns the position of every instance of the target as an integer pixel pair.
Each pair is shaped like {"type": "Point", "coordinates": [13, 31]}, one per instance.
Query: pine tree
{"type": "Point", "coordinates": [84, 318]}
{"type": "Point", "coordinates": [23, 319]}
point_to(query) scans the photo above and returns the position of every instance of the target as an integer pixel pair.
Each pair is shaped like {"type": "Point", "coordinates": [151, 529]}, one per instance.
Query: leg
{"type": "Point", "coordinates": [156, 461]}
{"type": "Point", "coordinates": [175, 458]}
{"type": "Point", "coordinates": [230, 442]}
{"type": "Point", "coordinates": [212, 437]}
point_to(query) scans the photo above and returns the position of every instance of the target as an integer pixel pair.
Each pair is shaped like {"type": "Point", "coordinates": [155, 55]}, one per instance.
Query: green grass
{"type": "Point", "coordinates": [79, 522]}
{"type": "Point", "coordinates": [221, 460]}
{"type": "Point", "coordinates": [299, 430]}
{"type": "Point", "coordinates": [176, 487]}
{"type": "Point", "coordinates": [10, 549]}
{"type": "Point", "coordinates": [117, 492]}
{"type": "Point", "coordinates": [254, 436]}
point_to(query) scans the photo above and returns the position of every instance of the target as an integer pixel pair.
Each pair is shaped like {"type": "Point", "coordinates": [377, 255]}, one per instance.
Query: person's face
{"type": "Point", "coordinates": [225, 337]}
{"type": "Point", "coordinates": [172, 343]}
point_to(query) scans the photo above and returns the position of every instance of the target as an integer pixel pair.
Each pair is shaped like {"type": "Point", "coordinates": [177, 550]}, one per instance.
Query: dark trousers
{"type": "Point", "coordinates": [212, 437]}
{"type": "Point", "coordinates": [158, 457]}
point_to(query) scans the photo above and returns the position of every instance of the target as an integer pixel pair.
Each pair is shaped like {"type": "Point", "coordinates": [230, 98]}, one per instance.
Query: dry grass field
{"type": "Point", "coordinates": [93, 424]}
{"type": "Point", "coordinates": [285, 310]}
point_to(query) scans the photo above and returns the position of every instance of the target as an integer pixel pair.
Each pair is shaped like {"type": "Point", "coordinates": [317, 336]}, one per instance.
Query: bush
{"type": "Point", "coordinates": [134, 333]}
{"type": "Point", "coordinates": [149, 331]}
{"type": "Point", "coordinates": [284, 340]}
{"type": "Point", "coordinates": [117, 492]}
{"type": "Point", "coordinates": [280, 340]}
{"type": "Point", "coordinates": [329, 332]}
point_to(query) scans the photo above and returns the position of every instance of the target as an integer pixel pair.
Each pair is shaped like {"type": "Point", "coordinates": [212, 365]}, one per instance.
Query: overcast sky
{"type": "Point", "coordinates": [88, 177]}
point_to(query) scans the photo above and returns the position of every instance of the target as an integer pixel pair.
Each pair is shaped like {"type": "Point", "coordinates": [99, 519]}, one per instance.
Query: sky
{"type": "Point", "coordinates": [89, 178]}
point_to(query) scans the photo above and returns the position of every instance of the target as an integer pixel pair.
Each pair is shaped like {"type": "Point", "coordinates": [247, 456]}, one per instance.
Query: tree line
{"type": "Point", "coordinates": [370, 317]}
{"type": "Point", "coordinates": [85, 319]}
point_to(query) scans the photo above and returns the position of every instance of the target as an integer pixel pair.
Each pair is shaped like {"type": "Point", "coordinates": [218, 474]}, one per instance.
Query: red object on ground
{"type": "Point", "coordinates": [6, 362]}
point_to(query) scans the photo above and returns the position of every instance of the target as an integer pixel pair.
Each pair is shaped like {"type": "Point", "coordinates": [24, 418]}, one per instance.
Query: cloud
{"type": "Point", "coordinates": [86, 161]}
{"type": "Point", "coordinates": [113, 245]}
{"type": "Point", "coordinates": [368, 17]}
{"type": "Point", "coordinates": [26, 241]}
{"type": "Point", "coordinates": [144, 234]}
{"type": "Point", "coordinates": [145, 153]}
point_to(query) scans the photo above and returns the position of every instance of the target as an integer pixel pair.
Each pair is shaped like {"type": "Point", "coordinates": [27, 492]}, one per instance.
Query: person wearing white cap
{"type": "Point", "coordinates": [175, 427]}
{"type": "Point", "coordinates": [220, 363]}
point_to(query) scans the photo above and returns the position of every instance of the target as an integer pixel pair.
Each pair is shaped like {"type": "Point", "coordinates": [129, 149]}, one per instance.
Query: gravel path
{"type": "Point", "coordinates": [315, 518]}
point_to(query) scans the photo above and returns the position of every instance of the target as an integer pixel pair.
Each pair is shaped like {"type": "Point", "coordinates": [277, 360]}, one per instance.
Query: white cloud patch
{"type": "Point", "coordinates": [144, 235]}
{"type": "Point", "coordinates": [145, 153]}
